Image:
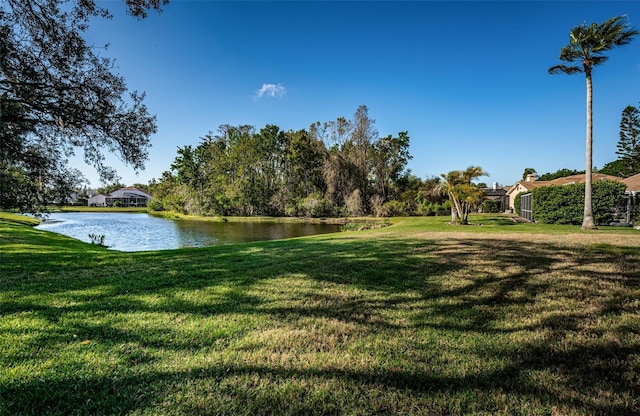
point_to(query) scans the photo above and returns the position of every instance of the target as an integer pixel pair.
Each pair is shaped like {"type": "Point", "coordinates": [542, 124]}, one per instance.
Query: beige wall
{"type": "Point", "coordinates": [513, 192]}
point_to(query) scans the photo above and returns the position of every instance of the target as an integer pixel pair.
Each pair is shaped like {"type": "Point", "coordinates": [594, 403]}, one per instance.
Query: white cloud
{"type": "Point", "coordinates": [271, 90]}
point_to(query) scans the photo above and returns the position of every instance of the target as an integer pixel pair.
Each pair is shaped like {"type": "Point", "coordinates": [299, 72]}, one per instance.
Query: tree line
{"type": "Point", "coordinates": [336, 168]}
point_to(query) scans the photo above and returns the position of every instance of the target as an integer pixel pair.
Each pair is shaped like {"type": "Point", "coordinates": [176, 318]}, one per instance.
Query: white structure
{"type": "Point", "coordinates": [124, 197]}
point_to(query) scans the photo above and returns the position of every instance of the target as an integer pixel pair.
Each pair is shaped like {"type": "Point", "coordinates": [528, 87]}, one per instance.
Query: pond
{"type": "Point", "coordinates": [142, 232]}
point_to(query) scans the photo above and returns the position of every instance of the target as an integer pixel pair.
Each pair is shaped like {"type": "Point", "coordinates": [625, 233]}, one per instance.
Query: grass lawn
{"type": "Point", "coordinates": [99, 209]}
{"type": "Point", "coordinates": [416, 318]}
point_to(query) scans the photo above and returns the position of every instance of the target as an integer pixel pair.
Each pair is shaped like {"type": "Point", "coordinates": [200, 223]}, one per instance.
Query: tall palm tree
{"type": "Point", "coordinates": [587, 43]}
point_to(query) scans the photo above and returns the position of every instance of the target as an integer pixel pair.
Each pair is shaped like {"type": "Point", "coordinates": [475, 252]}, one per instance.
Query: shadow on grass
{"type": "Point", "coordinates": [537, 310]}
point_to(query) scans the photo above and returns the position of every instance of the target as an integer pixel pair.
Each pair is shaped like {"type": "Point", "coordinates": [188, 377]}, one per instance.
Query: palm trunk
{"type": "Point", "coordinates": [455, 209]}
{"type": "Point", "coordinates": [454, 215]}
{"type": "Point", "coordinates": [588, 223]}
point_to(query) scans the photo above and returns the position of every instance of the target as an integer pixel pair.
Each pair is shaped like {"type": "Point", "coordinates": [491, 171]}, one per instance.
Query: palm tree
{"type": "Point", "coordinates": [586, 45]}
{"type": "Point", "coordinates": [462, 193]}
{"type": "Point", "coordinates": [448, 186]}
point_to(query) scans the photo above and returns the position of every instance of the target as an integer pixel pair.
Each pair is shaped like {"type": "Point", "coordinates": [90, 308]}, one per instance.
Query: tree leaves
{"type": "Point", "coordinates": [68, 97]}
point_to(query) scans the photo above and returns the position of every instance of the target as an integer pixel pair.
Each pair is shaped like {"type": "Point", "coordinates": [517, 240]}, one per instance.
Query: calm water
{"type": "Point", "coordinates": [141, 232]}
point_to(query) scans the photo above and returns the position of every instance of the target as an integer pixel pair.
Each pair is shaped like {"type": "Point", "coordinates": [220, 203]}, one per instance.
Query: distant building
{"type": "Point", "coordinates": [623, 212]}
{"type": "Point", "coordinates": [530, 183]}
{"type": "Point", "coordinates": [124, 197]}
{"type": "Point", "coordinates": [497, 193]}
{"type": "Point", "coordinates": [632, 195]}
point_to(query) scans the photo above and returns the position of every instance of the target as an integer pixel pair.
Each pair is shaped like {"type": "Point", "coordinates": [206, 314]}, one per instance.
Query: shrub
{"type": "Point", "coordinates": [376, 205]}
{"type": "Point", "coordinates": [314, 205]}
{"type": "Point", "coordinates": [353, 203]}
{"type": "Point", "coordinates": [155, 205]}
{"type": "Point", "coordinates": [97, 239]}
{"type": "Point", "coordinates": [565, 204]}
{"type": "Point", "coordinates": [393, 209]}
{"type": "Point", "coordinates": [607, 195]}
{"type": "Point", "coordinates": [517, 202]}
{"type": "Point", "coordinates": [491, 205]}
{"type": "Point", "coordinates": [366, 225]}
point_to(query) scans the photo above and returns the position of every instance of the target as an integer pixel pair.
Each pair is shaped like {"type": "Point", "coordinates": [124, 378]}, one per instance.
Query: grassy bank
{"type": "Point", "coordinates": [417, 318]}
{"type": "Point", "coordinates": [99, 209]}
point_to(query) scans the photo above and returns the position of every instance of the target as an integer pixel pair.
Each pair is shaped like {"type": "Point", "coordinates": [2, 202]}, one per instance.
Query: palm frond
{"type": "Point", "coordinates": [626, 37]}
{"type": "Point", "coordinates": [597, 60]}
{"type": "Point", "coordinates": [564, 69]}
{"type": "Point", "coordinates": [588, 42]}
{"type": "Point", "coordinates": [569, 53]}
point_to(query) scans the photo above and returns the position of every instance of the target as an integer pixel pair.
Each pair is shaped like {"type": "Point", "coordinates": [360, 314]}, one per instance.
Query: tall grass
{"type": "Point", "coordinates": [417, 318]}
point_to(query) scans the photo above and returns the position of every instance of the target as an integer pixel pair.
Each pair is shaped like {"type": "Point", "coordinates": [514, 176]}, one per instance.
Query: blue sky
{"type": "Point", "coordinates": [467, 80]}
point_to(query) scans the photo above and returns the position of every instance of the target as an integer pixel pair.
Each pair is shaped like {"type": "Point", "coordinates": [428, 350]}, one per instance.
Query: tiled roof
{"type": "Point", "coordinates": [633, 183]}
{"type": "Point", "coordinates": [581, 178]}
{"type": "Point", "coordinates": [133, 188]}
{"type": "Point", "coordinates": [495, 192]}
{"type": "Point", "coordinates": [529, 185]}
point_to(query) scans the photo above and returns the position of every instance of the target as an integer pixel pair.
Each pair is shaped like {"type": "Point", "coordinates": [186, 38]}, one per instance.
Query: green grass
{"type": "Point", "coordinates": [417, 318]}
{"type": "Point", "coordinates": [18, 218]}
{"type": "Point", "coordinates": [99, 209]}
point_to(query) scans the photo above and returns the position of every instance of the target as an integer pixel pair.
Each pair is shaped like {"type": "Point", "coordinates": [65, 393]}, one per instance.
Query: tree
{"type": "Point", "coordinates": [31, 176]}
{"type": "Point", "coordinates": [107, 189]}
{"type": "Point", "coordinates": [587, 43]}
{"type": "Point", "coordinates": [67, 96]}
{"type": "Point", "coordinates": [527, 172]}
{"type": "Point", "coordinates": [629, 143]}
{"type": "Point", "coordinates": [390, 155]}
{"type": "Point", "coordinates": [615, 168]}
{"type": "Point", "coordinates": [560, 173]}
{"type": "Point", "coordinates": [358, 151]}
{"type": "Point", "coordinates": [462, 193]}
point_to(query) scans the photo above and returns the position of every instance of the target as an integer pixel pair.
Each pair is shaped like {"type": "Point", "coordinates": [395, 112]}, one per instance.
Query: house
{"type": "Point", "coordinates": [125, 197]}
{"type": "Point", "coordinates": [497, 193]}
{"type": "Point", "coordinates": [623, 212]}
{"type": "Point", "coordinates": [530, 183]}
{"type": "Point", "coordinates": [526, 185]}
{"type": "Point", "coordinates": [633, 184]}
{"type": "Point", "coordinates": [98, 200]}
{"type": "Point", "coordinates": [632, 195]}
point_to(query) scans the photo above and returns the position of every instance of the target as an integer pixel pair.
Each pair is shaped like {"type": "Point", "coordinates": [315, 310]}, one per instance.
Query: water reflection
{"type": "Point", "coordinates": [141, 232]}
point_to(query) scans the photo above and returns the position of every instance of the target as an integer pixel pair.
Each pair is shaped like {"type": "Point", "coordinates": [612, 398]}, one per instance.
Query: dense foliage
{"type": "Point", "coordinates": [563, 204]}
{"type": "Point", "coordinates": [336, 168]}
{"type": "Point", "coordinates": [57, 95]}
{"type": "Point", "coordinates": [492, 206]}
{"type": "Point", "coordinates": [629, 143]}
{"type": "Point", "coordinates": [560, 173]}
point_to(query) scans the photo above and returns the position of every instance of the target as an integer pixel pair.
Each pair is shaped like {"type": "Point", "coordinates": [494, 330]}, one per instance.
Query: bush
{"type": "Point", "coordinates": [491, 205]}
{"type": "Point", "coordinates": [430, 209]}
{"type": "Point", "coordinates": [314, 206]}
{"type": "Point", "coordinates": [376, 205]}
{"type": "Point", "coordinates": [353, 203]}
{"type": "Point", "coordinates": [517, 202]}
{"type": "Point", "coordinates": [393, 209]}
{"type": "Point", "coordinates": [97, 239]}
{"type": "Point", "coordinates": [366, 225]}
{"type": "Point", "coordinates": [155, 205]}
{"type": "Point", "coordinates": [606, 197]}
{"type": "Point", "coordinates": [565, 204]}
